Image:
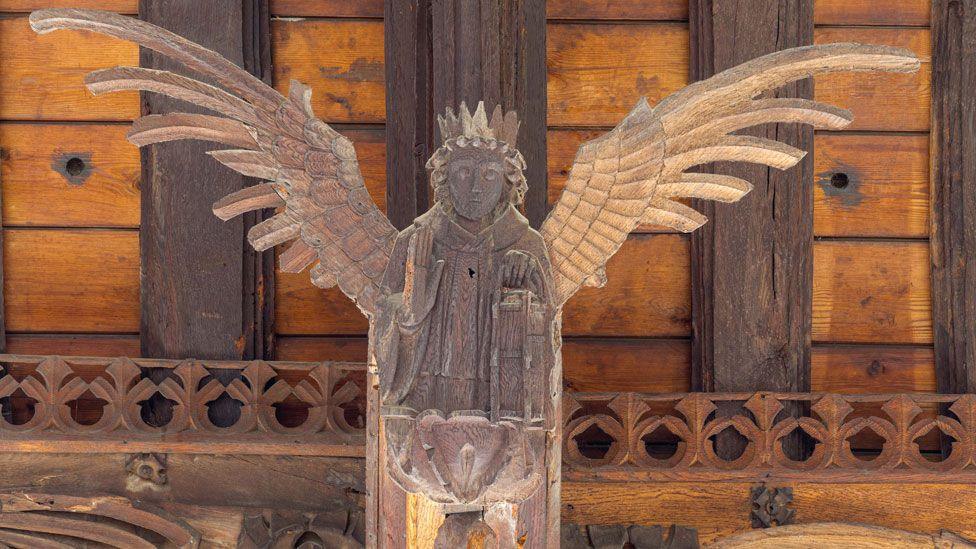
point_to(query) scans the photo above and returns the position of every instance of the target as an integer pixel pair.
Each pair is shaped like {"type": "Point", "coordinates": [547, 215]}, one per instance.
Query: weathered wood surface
{"type": "Point", "coordinates": [953, 243]}
{"type": "Point", "coordinates": [867, 369]}
{"type": "Point", "coordinates": [43, 78]}
{"type": "Point", "coordinates": [76, 345]}
{"type": "Point", "coordinates": [605, 67]}
{"type": "Point", "coordinates": [120, 6]}
{"type": "Point", "coordinates": [668, 10]}
{"type": "Point", "coordinates": [871, 185]}
{"type": "Point", "coordinates": [598, 72]}
{"type": "Point", "coordinates": [349, 79]}
{"type": "Point", "coordinates": [719, 509]}
{"type": "Point", "coordinates": [871, 292]}
{"type": "Point", "coordinates": [222, 305]}
{"type": "Point", "coordinates": [224, 500]}
{"type": "Point", "coordinates": [79, 280]}
{"type": "Point", "coordinates": [327, 8]}
{"type": "Point", "coordinates": [498, 56]}
{"type": "Point", "coordinates": [836, 534]}
{"type": "Point", "coordinates": [881, 102]}
{"type": "Point", "coordinates": [869, 12]}
{"type": "Point", "coordinates": [61, 175]}
{"type": "Point", "coordinates": [826, 12]}
{"type": "Point", "coordinates": [751, 266]}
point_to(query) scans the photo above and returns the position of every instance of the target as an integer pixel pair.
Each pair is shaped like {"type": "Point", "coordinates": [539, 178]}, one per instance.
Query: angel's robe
{"type": "Point", "coordinates": [443, 361]}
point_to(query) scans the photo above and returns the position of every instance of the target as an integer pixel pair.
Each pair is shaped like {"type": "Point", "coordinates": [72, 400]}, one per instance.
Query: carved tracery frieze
{"type": "Point", "coordinates": [39, 397]}
{"type": "Point", "coordinates": [628, 426]}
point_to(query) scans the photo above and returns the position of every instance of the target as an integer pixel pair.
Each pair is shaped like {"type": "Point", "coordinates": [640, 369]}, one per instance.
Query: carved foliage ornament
{"type": "Point", "coordinates": [325, 392]}
{"type": "Point", "coordinates": [688, 423]}
{"type": "Point", "coordinates": [464, 305]}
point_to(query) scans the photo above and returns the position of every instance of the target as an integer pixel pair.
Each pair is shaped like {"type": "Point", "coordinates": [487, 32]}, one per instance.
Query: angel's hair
{"type": "Point", "coordinates": [511, 158]}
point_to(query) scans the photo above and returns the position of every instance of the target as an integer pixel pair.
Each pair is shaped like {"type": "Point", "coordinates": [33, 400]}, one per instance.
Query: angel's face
{"type": "Point", "coordinates": [476, 179]}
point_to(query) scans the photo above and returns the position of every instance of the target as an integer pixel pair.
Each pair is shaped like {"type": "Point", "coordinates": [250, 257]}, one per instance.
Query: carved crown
{"type": "Point", "coordinates": [502, 127]}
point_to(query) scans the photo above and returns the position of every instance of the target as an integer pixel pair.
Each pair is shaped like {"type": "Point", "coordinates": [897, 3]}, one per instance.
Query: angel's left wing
{"type": "Point", "coordinates": [631, 174]}
{"type": "Point", "coordinates": [312, 170]}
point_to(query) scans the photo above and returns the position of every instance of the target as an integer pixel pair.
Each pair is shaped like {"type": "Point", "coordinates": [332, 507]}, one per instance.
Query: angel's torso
{"type": "Point", "coordinates": [456, 342]}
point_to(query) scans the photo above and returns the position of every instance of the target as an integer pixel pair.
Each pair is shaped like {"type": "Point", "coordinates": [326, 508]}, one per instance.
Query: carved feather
{"type": "Point", "coordinates": [629, 175]}
{"type": "Point", "coordinates": [158, 128]}
{"type": "Point", "coordinates": [275, 138]}
{"type": "Point", "coordinates": [172, 85]}
{"type": "Point", "coordinates": [255, 197]}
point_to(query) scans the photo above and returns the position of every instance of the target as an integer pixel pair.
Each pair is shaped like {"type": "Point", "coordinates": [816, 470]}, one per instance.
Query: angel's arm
{"type": "Point", "coordinates": [632, 174]}
{"type": "Point", "coordinates": [312, 170]}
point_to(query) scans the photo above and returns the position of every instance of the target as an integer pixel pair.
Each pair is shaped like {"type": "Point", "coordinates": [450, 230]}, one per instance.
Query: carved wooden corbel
{"type": "Point", "coordinates": [465, 304]}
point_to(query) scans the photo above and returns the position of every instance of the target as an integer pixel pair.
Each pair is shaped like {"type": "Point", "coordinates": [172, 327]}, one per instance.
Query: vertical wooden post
{"type": "Point", "coordinates": [953, 196]}
{"type": "Point", "coordinates": [205, 292]}
{"type": "Point", "coordinates": [442, 52]}
{"type": "Point", "coordinates": [3, 315]}
{"type": "Point", "coordinates": [752, 263]}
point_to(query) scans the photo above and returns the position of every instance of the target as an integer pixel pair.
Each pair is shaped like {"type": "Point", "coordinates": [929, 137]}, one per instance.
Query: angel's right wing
{"type": "Point", "coordinates": [313, 169]}
{"type": "Point", "coordinates": [632, 174]}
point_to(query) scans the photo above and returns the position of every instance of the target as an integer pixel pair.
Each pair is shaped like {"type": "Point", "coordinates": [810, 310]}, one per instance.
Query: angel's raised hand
{"type": "Point", "coordinates": [518, 269]}
{"type": "Point", "coordinates": [422, 277]}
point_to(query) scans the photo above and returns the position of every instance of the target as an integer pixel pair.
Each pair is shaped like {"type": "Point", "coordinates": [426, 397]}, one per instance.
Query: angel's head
{"type": "Point", "coordinates": [478, 172]}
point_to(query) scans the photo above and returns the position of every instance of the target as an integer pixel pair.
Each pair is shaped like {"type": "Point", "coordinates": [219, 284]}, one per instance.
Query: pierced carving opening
{"type": "Point", "coordinates": [661, 443]}
{"type": "Point", "coordinates": [729, 444]}
{"type": "Point", "coordinates": [309, 540]}
{"type": "Point", "coordinates": [594, 442]}
{"type": "Point", "coordinates": [291, 412]}
{"type": "Point", "coordinates": [354, 412]}
{"type": "Point", "coordinates": [866, 444]}
{"type": "Point", "coordinates": [18, 408]}
{"type": "Point", "coordinates": [224, 410]}
{"type": "Point", "coordinates": [798, 445]}
{"type": "Point", "coordinates": [936, 456]}
{"type": "Point", "coordinates": [157, 410]}
{"type": "Point", "coordinates": [87, 409]}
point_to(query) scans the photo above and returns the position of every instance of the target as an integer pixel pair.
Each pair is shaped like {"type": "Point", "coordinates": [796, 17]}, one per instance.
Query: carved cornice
{"type": "Point", "coordinates": [47, 388]}
{"type": "Point", "coordinates": [629, 423]}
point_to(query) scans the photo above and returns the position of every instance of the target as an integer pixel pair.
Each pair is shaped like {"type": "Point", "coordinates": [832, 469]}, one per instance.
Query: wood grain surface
{"type": "Point", "coordinates": [43, 76]}
{"type": "Point", "coordinates": [870, 12]}
{"type": "Point", "coordinates": [342, 60]}
{"type": "Point", "coordinates": [880, 102]}
{"type": "Point", "coordinates": [71, 280]}
{"type": "Point", "coordinates": [871, 292]}
{"type": "Point", "coordinates": [721, 509]}
{"type": "Point", "coordinates": [871, 185]}
{"type": "Point", "coordinates": [597, 72]}
{"type": "Point", "coordinates": [39, 189]}
{"type": "Point", "coordinates": [872, 369]}
{"type": "Point", "coordinates": [953, 242]}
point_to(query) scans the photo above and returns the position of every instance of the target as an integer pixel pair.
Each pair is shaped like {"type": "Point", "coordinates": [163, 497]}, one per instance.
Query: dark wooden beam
{"type": "Point", "coordinates": [442, 52]}
{"type": "Point", "coordinates": [205, 292]}
{"type": "Point", "coordinates": [3, 315]}
{"type": "Point", "coordinates": [752, 263]}
{"type": "Point", "coordinates": [953, 198]}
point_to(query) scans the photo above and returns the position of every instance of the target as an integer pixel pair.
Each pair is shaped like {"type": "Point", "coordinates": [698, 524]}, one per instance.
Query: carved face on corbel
{"type": "Point", "coordinates": [476, 181]}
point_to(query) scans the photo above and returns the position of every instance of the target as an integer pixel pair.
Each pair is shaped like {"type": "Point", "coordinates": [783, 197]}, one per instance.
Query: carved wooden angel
{"type": "Point", "coordinates": [464, 305]}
